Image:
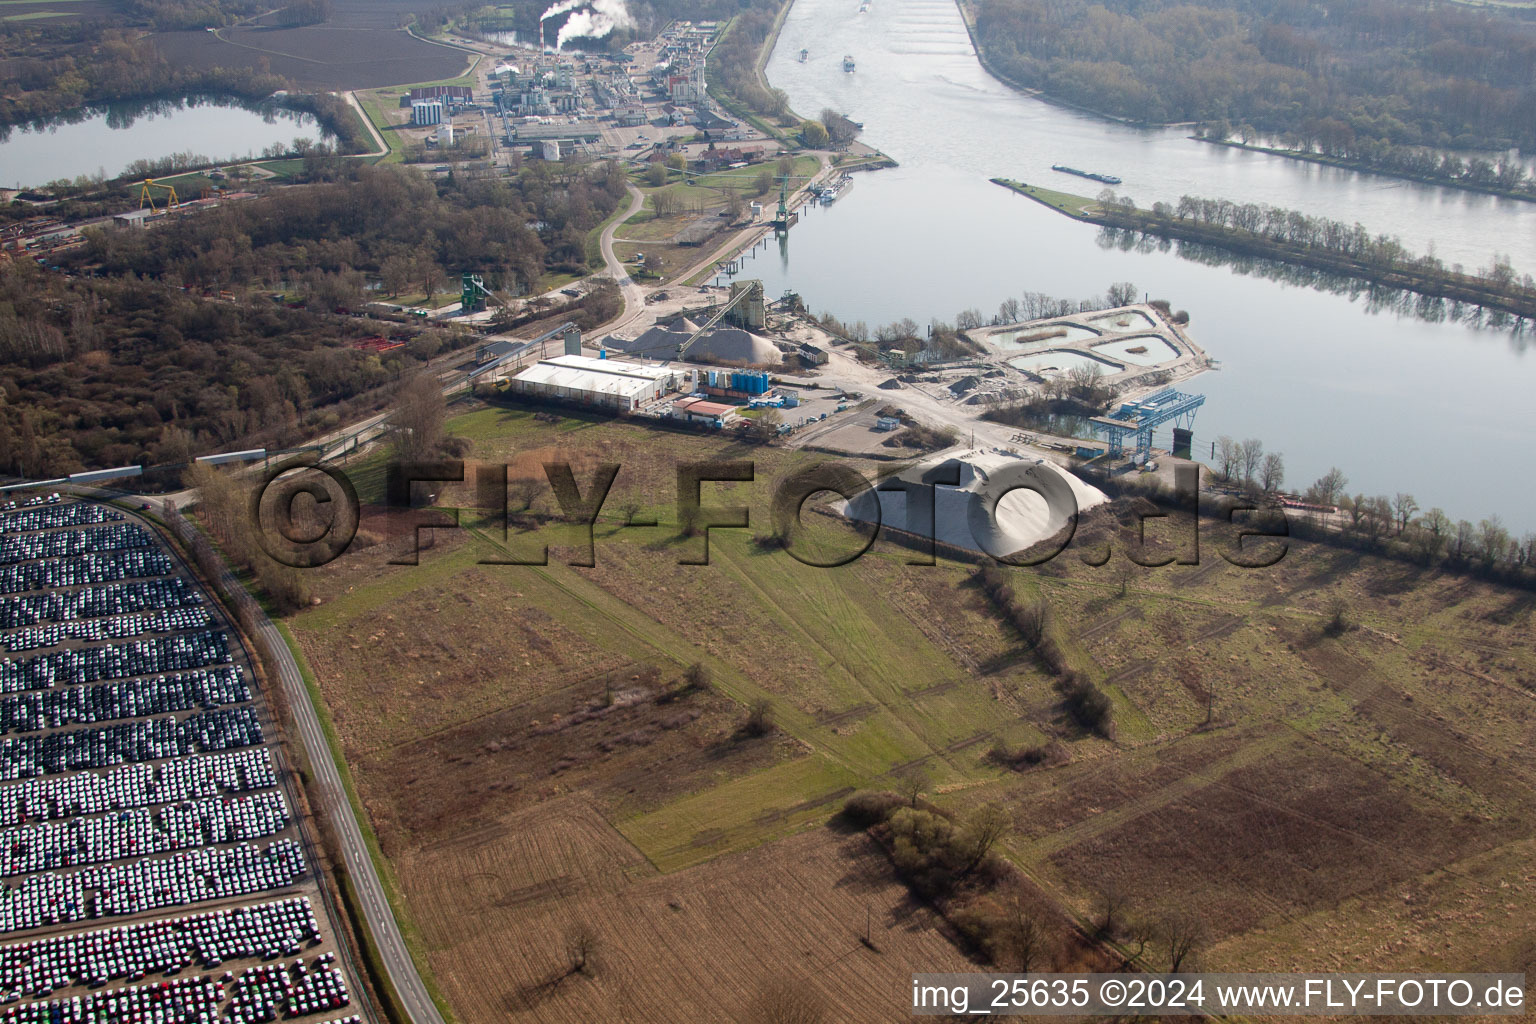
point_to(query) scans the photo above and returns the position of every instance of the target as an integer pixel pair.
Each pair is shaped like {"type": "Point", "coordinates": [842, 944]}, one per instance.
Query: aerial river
{"type": "Point", "coordinates": [1438, 409]}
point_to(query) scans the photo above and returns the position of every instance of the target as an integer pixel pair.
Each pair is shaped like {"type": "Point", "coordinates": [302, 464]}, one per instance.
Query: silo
{"type": "Point", "coordinates": [445, 134]}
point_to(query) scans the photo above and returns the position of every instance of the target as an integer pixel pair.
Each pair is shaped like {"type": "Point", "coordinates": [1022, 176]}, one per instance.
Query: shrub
{"type": "Point", "coordinates": [868, 808]}
{"type": "Point", "coordinates": [1088, 704]}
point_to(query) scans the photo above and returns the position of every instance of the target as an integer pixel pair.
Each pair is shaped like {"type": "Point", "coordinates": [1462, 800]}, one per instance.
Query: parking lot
{"type": "Point", "coordinates": [151, 867]}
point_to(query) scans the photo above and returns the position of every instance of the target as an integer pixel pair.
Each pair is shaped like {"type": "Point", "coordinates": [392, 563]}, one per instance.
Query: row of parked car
{"type": "Point", "coordinates": [48, 845]}
{"type": "Point", "coordinates": [205, 688]}
{"type": "Point", "coordinates": [137, 785]}
{"type": "Point", "coordinates": [255, 994]}
{"type": "Point", "coordinates": [115, 661]}
{"type": "Point", "coordinates": [183, 1001]}
{"type": "Point", "coordinates": [95, 602]}
{"type": "Point", "coordinates": [259, 994]}
{"type": "Point", "coordinates": [23, 757]}
{"type": "Point", "coordinates": [133, 951]}
{"type": "Point", "coordinates": [136, 778]}
{"type": "Point", "coordinates": [115, 890]}
{"type": "Point", "coordinates": [45, 515]}
{"type": "Point", "coordinates": [84, 570]}
{"type": "Point", "coordinates": [30, 547]}
{"type": "Point", "coordinates": [111, 627]}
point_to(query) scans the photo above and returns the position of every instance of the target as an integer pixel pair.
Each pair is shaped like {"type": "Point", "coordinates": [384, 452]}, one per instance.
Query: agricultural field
{"type": "Point", "coordinates": [362, 46]}
{"type": "Point", "coordinates": [1346, 797]}
{"type": "Point", "coordinates": [47, 10]}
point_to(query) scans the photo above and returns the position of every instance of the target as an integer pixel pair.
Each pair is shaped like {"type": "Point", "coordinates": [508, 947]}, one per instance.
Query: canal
{"type": "Point", "coordinates": [1438, 409]}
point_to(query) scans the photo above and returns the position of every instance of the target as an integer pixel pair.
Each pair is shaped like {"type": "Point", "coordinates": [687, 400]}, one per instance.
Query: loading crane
{"type": "Point", "coordinates": [147, 197]}
{"type": "Point", "coordinates": [741, 292]}
{"type": "Point", "coordinates": [473, 293]}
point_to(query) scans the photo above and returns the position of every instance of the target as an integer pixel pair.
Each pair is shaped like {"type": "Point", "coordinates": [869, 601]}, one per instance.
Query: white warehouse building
{"type": "Point", "coordinates": [610, 383]}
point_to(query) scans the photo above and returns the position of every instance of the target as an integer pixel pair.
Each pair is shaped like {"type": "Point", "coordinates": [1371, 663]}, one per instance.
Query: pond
{"type": "Point", "coordinates": [1061, 362]}
{"type": "Point", "coordinates": [1143, 350]}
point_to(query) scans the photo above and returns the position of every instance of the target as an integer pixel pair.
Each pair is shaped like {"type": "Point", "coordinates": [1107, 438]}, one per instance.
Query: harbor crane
{"type": "Point", "coordinates": [1138, 419]}
{"type": "Point", "coordinates": [147, 197]}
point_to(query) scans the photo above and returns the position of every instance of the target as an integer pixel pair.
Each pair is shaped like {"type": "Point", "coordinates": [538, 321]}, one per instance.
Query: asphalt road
{"type": "Point", "coordinates": [332, 797]}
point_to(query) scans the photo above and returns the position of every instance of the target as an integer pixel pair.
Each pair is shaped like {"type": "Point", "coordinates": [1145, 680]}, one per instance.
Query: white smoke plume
{"type": "Point", "coordinates": [596, 21]}
{"type": "Point", "coordinates": [561, 8]}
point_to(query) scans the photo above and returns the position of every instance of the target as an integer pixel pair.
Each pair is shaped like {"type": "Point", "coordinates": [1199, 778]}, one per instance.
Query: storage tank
{"type": "Point", "coordinates": [445, 134]}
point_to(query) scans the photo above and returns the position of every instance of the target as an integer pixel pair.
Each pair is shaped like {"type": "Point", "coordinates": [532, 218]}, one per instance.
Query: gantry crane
{"type": "Point", "coordinates": [148, 197]}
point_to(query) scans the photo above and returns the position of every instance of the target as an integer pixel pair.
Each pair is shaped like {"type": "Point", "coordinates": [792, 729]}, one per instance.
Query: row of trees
{"type": "Point", "coordinates": [1351, 244]}
{"type": "Point", "coordinates": [1381, 521]}
{"type": "Point", "coordinates": [1447, 76]}
{"type": "Point", "coordinates": [1333, 138]}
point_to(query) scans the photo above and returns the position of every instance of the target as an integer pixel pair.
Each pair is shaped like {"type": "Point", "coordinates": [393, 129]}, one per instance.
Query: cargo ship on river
{"type": "Point", "coordinates": [1108, 179]}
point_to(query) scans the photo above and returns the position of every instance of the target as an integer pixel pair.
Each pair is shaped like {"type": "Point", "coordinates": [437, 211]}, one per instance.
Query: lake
{"type": "Point", "coordinates": [106, 141]}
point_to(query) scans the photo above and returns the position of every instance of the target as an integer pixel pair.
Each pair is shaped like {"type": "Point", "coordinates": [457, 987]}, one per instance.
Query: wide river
{"type": "Point", "coordinates": [1436, 409]}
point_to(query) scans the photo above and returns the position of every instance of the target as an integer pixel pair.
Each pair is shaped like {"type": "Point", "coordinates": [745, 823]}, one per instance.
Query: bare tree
{"type": "Point", "coordinates": [1252, 456]}
{"type": "Point", "coordinates": [664, 202]}
{"type": "Point", "coordinates": [581, 945]}
{"type": "Point", "coordinates": [1184, 934]}
{"type": "Point", "coordinates": [912, 782]}
{"type": "Point", "coordinates": [419, 415]}
{"type": "Point", "coordinates": [430, 275]}
{"type": "Point", "coordinates": [1328, 488]}
{"type": "Point", "coordinates": [982, 831]}
{"type": "Point", "coordinates": [522, 492]}
{"type": "Point", "coordinates": [1272, 472]}
{"type": "Point", "coordinates": [759, 720]}
{"type": "Point", "coordinates": [1112, 902]}
{"type": "Point", "coordinates": [1125, 571]}
{"type": "Point", "coordinates": [1228, 455]}
{"type": "Point", "coordinates": [1024, 943]}
{"type": "Point", "coordinates": [1403, 508]}
{"type": "Point", "coordinates": [1122, 293]}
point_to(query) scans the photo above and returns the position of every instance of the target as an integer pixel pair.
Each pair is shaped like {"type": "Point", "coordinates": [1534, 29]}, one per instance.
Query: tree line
{"type": "Point", "coordinates": [1335, 141]}
{"type": "Point", "coordinates": [1444, 75]}
{"type": "Point", "coordinates": [1330, 245]}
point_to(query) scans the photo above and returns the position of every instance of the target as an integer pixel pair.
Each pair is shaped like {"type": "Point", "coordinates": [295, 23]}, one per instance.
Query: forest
{"type": "Point", "coordinates": [134, 355]}
{"type": "Point", "coordinates": [1360, 74]}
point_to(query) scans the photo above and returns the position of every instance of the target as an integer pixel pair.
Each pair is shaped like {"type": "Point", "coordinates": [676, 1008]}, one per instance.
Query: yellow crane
{"type": "Point", "coordinates": [148, 197]}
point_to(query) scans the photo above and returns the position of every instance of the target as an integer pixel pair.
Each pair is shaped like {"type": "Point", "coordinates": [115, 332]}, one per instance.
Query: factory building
{"type": "Point", "coordinates": [426, 112]}
{"type": "Point", "coordinates": [609, 383]}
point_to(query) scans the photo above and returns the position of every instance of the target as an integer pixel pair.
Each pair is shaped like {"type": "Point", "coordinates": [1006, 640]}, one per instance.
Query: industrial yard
{"type": "Point", "coordinates": [156, 863]}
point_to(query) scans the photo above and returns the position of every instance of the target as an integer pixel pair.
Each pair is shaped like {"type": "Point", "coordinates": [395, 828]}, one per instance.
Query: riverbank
{"type": "Point", "coordinates": [1509, 298]}
{"type": "Point", "coordinates": [866, 157]}
{"type": "Point", "coordinates": [1365, 168]}
{"type": "Point", "coordinates": [968, 19]}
